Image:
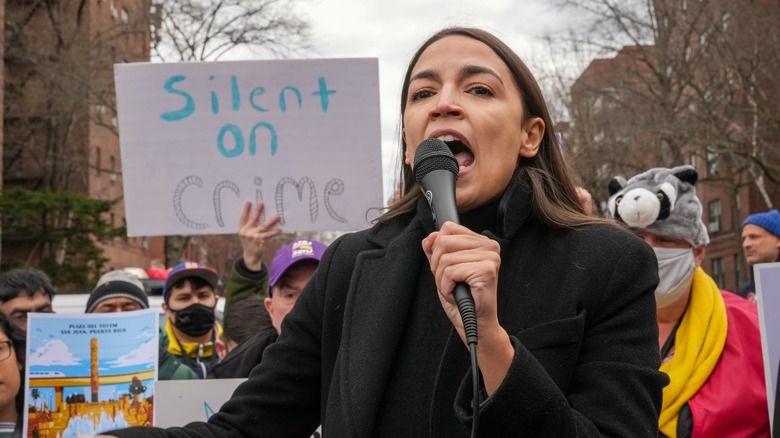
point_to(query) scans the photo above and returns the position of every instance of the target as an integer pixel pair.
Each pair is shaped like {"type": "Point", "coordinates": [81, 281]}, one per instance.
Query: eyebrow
{"type": "Point", "coordinates": [466, 70]}
{"type": "Point", "coordinates": [28, 310]}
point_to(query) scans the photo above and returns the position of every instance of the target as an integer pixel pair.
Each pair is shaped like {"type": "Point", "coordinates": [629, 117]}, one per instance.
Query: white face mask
{"type": "Point", "coordinates": [675, 269]}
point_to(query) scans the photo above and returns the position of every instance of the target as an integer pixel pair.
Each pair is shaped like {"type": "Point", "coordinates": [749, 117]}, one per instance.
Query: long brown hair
{"type": "Point", "coordinates": [19, 345]}
{"type": "Point", "coordinates": [554, 194]}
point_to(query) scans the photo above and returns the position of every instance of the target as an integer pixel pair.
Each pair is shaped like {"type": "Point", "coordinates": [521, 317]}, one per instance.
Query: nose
{"type": "Point", "coordinates": [648, 238]}
{"type": "Point", "coordinates": [446, 105]}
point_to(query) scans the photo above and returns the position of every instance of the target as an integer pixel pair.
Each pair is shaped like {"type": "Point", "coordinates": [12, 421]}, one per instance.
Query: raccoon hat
{"type": "Point", "coordinates": [660, 201]}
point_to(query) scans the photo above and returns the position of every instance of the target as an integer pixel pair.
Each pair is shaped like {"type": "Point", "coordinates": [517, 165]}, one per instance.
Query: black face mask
{"type": "Point", "coordinates": [194, 320]}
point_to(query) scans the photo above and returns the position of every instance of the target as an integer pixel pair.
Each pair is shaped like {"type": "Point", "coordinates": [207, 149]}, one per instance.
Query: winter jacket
{"type": "Point", "coordinates": [578, 305]}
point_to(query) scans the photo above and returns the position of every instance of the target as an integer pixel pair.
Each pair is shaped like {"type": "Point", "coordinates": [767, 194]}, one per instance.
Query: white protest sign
{"type": "Point", "coordinates": [199, 139]}
{"type": "Point", "coordinates": [180, 402]}
{"type": "Point", "coordinates": [767, 277]}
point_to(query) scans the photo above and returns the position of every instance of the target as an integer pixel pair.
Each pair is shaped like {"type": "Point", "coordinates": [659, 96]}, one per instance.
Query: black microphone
{"type": "Point", "coordinates": [436, 171]}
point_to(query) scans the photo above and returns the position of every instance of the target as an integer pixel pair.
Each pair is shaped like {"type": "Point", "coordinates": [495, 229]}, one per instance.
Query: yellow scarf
{"type": "Point", "coordinates": [191, 348]}
{"type": "Point", "coordinates": [697, 347]}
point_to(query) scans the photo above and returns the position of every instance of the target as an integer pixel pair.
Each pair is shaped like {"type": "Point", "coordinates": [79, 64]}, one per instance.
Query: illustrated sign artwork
{"type": "Point", "coordinates": [199, 139]}
{"type": "Point", "coordinates": [90, 373]}
{"type": "Point", "coordinates": [767, 276]}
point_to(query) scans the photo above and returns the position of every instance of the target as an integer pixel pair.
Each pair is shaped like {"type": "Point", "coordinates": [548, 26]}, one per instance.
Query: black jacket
{"type": "Point", "coordinates": [750, 286]}
{"type": "Point", "coordinates": [577, 303]}
{"type": "Point", "coordinates": [247, 355]}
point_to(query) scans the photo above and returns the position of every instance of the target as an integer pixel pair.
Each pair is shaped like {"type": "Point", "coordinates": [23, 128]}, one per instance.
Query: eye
{"type": "Point", "coordinates": [420, 94]}
{"type": "Point", "coordinates": [618, 199]}
{"type": "Point", "coordinates": [660, 196]}
{"type": "Point", "coordinates": [481, 90]}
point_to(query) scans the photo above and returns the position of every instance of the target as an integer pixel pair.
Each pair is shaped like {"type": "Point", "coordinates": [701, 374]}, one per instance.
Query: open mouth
{"type": "Point", "coordinates": [459, 149]}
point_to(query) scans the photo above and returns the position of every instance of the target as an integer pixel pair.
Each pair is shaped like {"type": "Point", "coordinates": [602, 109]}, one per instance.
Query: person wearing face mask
{"type": "Point", "coordinates": [189, 302]}
{"type": "Point", "coordinates": [709, 339]}
{"type": "Point", "coordinates": [121, 291]}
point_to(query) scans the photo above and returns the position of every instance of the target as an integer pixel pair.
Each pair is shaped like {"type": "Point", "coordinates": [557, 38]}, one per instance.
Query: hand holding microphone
{"type": "Point", "coordinates": [458, 256]}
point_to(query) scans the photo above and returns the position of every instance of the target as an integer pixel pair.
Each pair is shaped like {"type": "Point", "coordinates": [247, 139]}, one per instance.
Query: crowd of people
{"type": "Point", "coordinates": [588, 325]}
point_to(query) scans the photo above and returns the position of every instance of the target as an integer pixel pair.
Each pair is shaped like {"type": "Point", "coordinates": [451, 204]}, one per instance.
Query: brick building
{"type": "Point", "coordinates": [59, 126]}
{"type": "Point", "coordinates": [681, 101]}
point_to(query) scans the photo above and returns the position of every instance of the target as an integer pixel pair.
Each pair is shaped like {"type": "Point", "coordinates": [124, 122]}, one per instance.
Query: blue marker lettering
{"type": "Point", "coordinates": [236, 95]}
{"type": "Point", "coordinates": [237, 136]}
{"type": "Point", "coordinates": [257, 92]}
{"type": "Point", "coordinates": [252, 137]}
{"type": "Point", "coordinates": [214, 100]}
{"type": "Point", "coordinates": [209, 410]}
{"type": "Point", "coordinates": [283, 101]}
{"type": "Point", "coordinates": [189, 106]}
{"type": "Point", "coordinates": [324, 92]}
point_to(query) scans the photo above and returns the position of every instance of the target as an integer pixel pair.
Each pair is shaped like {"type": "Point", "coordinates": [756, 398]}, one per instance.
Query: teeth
{"type": "Point", "coordinates": [447, 138]}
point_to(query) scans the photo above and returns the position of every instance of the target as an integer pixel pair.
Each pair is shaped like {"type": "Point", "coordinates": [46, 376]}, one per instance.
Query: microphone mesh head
{"type": "Point", "coordinates": [433, 154]}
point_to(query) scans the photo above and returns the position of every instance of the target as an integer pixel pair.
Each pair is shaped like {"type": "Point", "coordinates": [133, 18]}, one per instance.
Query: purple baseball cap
{"type": "Point", "coordinates": [291, 254]}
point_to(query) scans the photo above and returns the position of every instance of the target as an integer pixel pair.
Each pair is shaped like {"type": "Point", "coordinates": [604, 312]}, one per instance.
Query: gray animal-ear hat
{"type": "Point", "coordinates": [660, 201]}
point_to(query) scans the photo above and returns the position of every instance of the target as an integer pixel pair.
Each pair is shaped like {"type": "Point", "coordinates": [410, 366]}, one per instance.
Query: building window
{"type": "Point", "coordinates": [740, 270]}
{"type": "Point", "coordinates": [98, 160]}
{"type": "Point", "coordinates": [113, 169]}
{"type": "Point", "coordinates": [712, 162]}
{"type": "Point", "coordinates": [715, 215]}
{"type": "Point", "coordinates": [718, 273]}
{"type": "Point", "coordinates": [125, 18]}
{"type": "Point", "coordinates": [114, 10]}
{"type": "Point", "coordinates": [12, 159]}
{"type": "Point", "coordinates": [694, 162]}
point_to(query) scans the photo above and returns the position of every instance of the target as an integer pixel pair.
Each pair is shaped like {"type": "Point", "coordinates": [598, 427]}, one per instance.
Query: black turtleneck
{"type": "Point", "coordinates": [430, 347]}
{"type": "Point", "coordinates": [482, 219]}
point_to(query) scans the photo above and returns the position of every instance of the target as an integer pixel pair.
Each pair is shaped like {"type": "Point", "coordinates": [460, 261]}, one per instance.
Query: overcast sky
{"type": "Point", "coordinates": [391, 30]}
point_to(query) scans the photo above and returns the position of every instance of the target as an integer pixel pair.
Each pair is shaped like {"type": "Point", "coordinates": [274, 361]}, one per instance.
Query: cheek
{"type": "Point", "coordinates": [11, 376]}
{"type": "Point", "coordinates": [502, 167]}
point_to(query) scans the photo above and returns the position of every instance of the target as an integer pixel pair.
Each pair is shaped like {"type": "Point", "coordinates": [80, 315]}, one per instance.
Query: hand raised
{"type": "Point", "coordinates": [253, 234]}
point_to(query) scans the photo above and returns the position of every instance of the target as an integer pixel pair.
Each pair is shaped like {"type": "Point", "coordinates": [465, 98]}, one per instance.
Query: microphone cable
{"type": "Point", "coordinates": [468, 314]}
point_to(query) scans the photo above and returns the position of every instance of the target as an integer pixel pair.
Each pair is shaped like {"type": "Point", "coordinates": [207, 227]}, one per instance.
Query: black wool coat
{"type": "Point", "coordinates": [578, 305]}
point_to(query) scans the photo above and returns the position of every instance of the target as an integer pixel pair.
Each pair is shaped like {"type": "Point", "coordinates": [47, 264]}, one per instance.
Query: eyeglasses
{"type": "Point", "coordinates": [5, 349]}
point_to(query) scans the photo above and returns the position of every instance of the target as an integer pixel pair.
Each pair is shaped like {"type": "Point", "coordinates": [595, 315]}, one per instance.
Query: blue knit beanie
{"type": "Point", "coordinates": [769, 221]}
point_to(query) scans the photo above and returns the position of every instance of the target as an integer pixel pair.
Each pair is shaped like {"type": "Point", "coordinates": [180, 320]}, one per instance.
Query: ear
{"type": "Point", "coordinates": [221, 349]}
{"type": "Point", "coordinates": [168, 312]}
{"type": "Point", "coordinates": [698, 254]}
{"type": "Point", "coordinates": [533, 133]}
{"type": "Point", "coordinates": [687, 174]}
{"type": "Point", "coordinates": [407, 160]}
{"type": "Point", "coordinates": [268, 302]}
{"type": "Point", "coordinates": [616, 184]}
